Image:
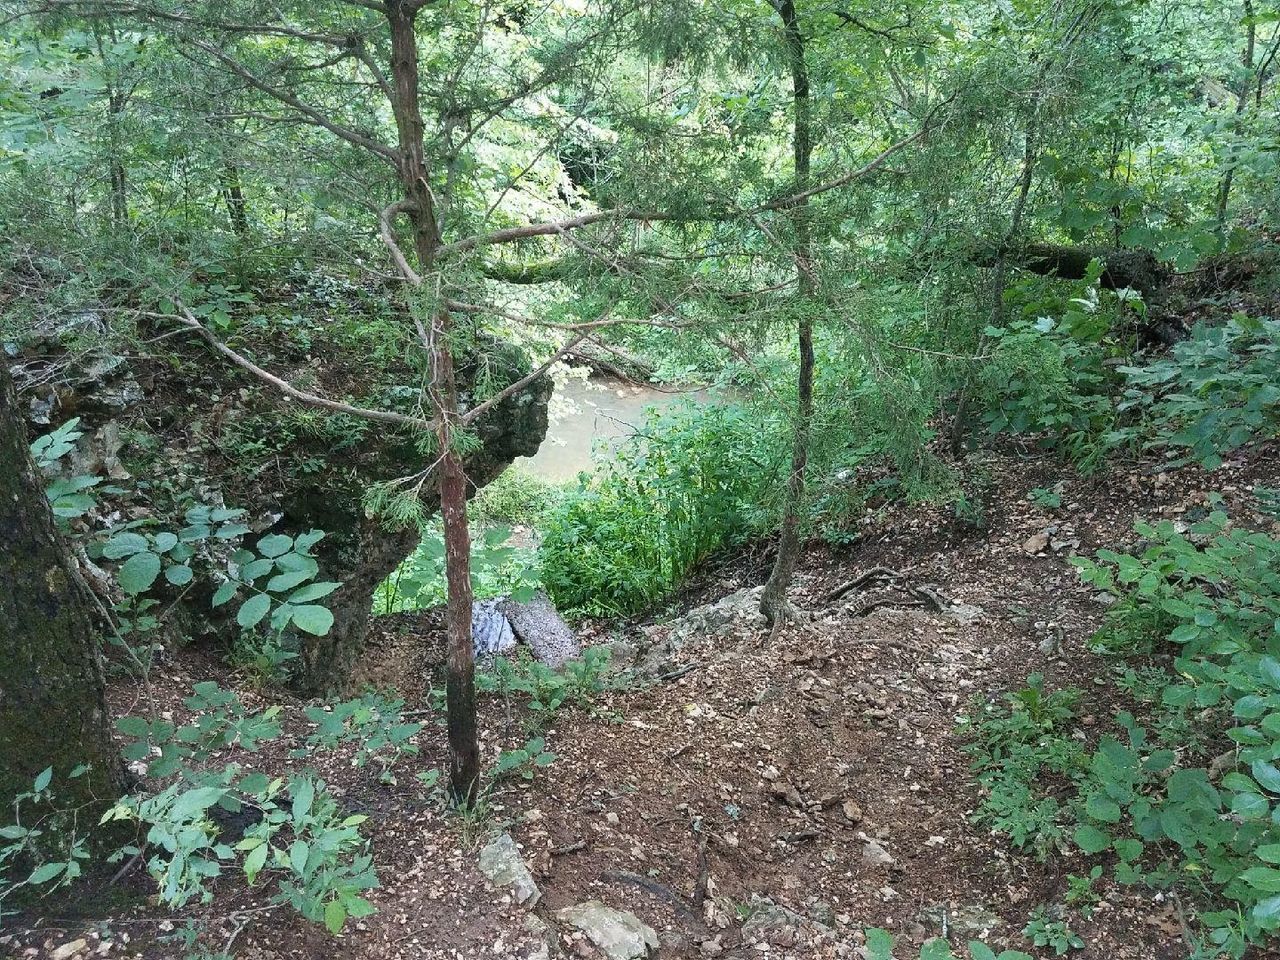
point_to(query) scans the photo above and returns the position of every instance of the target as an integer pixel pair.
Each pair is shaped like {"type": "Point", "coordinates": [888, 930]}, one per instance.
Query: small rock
{"type": "Point", "coordinates": [500, 862]}
{"type": "Point", "coordinates": [68, 950]}
{"type": "Point", "coordinates": [852, 812]}
{"type": "Point", "coordinates": [874, 855]}
{"type": "Point", "coordinates": [787, 793]}
{"type": "Point", "coordinates": [620, 935]}
{"type": "Point", "coordinates": [1036, 543]}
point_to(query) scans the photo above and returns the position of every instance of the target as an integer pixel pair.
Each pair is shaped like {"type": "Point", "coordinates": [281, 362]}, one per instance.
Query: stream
{"type": "Point", "coordinates": [594, 412]}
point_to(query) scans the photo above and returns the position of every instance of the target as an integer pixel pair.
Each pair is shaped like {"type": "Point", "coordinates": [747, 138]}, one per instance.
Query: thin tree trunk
{"type": "Point", "coordinates": [1000, 271]}
{"type": "Point", "coordinates": [774, 604]}
{"type": "Point", "coordinates": [233, 194]}
{"type": "Point", "coordinates": [115, 160]}
{"type": "Point", "coordinates": [52, 709]}
{"type": "Point", "coordinates": [419, 205]}
{"type": "Point", "coordinates": [1242, 103]}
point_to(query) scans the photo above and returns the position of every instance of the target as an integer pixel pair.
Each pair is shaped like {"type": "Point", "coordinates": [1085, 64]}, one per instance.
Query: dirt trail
{"type": "Point", "coordinates": [778, 797]}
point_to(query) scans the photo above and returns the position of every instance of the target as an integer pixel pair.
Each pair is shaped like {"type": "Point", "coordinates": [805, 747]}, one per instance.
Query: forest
{"type": "Point", "coordinates": [633, 480]}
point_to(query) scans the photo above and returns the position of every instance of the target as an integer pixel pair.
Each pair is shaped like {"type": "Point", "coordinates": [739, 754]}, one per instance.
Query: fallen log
{"type": "Point", "coordinates": [1134, 269]}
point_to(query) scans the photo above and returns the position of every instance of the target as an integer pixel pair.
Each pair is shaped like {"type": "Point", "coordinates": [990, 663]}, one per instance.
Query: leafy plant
{"type": "Point", "coordinates": [1019, 750]}
{"type": "Point", "coordinates": [1049, 499]}
{"type": "Point", "coordinates": [523, 761]}
{"type": "Point", "coordinates": [497, 569]}
{"type": "Point", "coordinates": [1044, 930]}
{"type": "Point", "coordinates": [1219, 389]}
{"type": "Point", "coordinates": [67, 496]}
{"type": "Point", "coordinates": [279, 580]}
{"type": "Point", "coordinates": [42, 840]}
{"type": "Point", "coordinates": [373, 723]}
{"type": "Point", "coordinates": [880, 947]}
{"type": "Point", "coordinates": [577, 683]}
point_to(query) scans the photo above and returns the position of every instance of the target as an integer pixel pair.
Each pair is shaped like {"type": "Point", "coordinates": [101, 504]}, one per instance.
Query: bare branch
{"type": "Point", "coordinates": [188, 319]}
{"type": "Point", "coordinates": [561, 227]}
{"type": "Point", "coordinates": [385, 220]}
{"type": "Point", "coordinates": [284, 96]}
{"type": "Point", "coordinates": [475, 413]}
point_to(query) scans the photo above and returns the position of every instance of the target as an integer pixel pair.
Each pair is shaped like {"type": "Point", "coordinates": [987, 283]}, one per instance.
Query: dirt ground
{"type": "Point", "coordinates": [777, 796]}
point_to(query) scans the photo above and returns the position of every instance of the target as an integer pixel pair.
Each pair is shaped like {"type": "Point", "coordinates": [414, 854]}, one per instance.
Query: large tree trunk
{"type": "Point", "coordinates": [52, 710]}
{"type": "Point", "coordinates": [773, 602]}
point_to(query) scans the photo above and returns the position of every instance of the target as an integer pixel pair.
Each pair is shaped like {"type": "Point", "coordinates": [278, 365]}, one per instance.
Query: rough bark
{"type": "Point", "coordinates": [328, 661]}
{"type": "Point", "coordinates": [773, 602]}
{"type": "Point", "coordinates": [52, 710]}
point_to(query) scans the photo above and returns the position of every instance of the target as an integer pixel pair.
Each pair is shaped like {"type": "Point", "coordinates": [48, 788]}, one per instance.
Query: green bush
{"type": "Point", "coordinates": [1218, 390]}
{"type": "Point", "coordinates": [516, 497]}
{"type": "Point", "coordinates": [688, 484]}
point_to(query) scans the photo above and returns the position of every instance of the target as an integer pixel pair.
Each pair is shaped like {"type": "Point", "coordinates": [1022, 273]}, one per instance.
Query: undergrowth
{"type": "Point", "coordinates": [1184, 792]}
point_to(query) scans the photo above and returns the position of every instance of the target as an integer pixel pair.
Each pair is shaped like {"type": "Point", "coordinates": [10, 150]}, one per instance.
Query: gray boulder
{"type": "Point", "coordinates": [539, 625]}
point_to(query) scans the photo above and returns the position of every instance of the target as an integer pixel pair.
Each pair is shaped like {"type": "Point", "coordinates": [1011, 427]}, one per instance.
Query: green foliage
{"type": "Point", "coordinates": [375, 726]}
{"type": "Point", "coordinates": [1049, 499]}
{"type": "Point", "coordinates": [1017, 749]}
{"type": "Point", "coordinates": [263, 659]}
{"type": "Point", "coordinates": [1149, 798]}
{"type": "Point", "coordinates": [279, 579]}
{"type": "Point", "coordinates": [42, 844]}
{"type": "Point", "coordinates": [880, 947]}
{"type": "Point", "coordinates": [575, 684]}
{"type": "Point", "coordinates": [67, 497]}
{"type": "Point", "coordinates": [497, 569]}
{"type": "Point", "coordinates": [1218, 390]}
{"type": "Point", "coordinates": [524, 761]}
{"type": "Point", "coordinates": [689, 484]}
{"type": "Point", "coordinates": [1048, 377]}
{"type": "Point", "coordinates": [517, 497]}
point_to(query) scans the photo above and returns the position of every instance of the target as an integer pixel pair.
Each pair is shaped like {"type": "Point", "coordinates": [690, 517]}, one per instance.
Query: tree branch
{"type": "Point", "coordinates": [189, 320]}
{"type": "Point", "coordinates": [475, 413]}
{"type": "Point", "coordinates": [316, 117]}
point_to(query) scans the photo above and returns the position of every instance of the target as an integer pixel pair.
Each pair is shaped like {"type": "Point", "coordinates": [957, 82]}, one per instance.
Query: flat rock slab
{"type": "Point", "coordinates": [620, 935]}
{"type": "Point", "coordinates": [537, 624]}
{"type": "Point", "coordinates": [501, 863]}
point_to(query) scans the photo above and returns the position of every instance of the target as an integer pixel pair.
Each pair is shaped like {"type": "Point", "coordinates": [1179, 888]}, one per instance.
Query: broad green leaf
{"type": "Point", "coordinates": [138, 573]}
{"type": "Point", "coordinates": [313, 619]}
{"type": "Point", "coordinates": [287, 581]}
{"type": "Point", "coordinates": [255, 861]}
{"type": "Point", "coordinates": [178, 574]}
{"type": "Point", "coordinates": [274, 544]}
{"type": "Point", "coordinates": [313, 591]}
{"type": "Point", "coordinates": [225, 592]}
{"type": "Point", "coordinates": [253, 610]}
{"type": "Point", "coordinates": [124, 545]}
{"type": "Point", "coordinates": [46, 872]}
{"type": "Point", "coordinates": [335, 915]}
{"type": "Point", "coordinates": [1090, 839]}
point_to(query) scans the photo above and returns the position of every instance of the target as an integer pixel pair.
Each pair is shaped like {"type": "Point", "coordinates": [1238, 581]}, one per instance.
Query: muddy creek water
{"type": "Point", "coordinates": [597, 412]}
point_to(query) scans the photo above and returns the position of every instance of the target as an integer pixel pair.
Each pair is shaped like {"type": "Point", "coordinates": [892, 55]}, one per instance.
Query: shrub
{"type": "Point", "coordinates": [1147, 796]}
{"type": "Point", "coordinates": [688, 484]}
